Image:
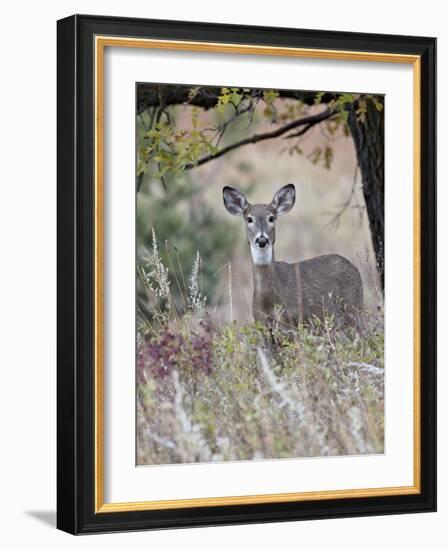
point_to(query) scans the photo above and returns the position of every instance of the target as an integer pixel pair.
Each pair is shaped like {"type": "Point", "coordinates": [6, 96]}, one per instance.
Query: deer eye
{"type": "Point", "coordinates": [250, 219]}
{"type": "Point", "coordinates": [271, 219]}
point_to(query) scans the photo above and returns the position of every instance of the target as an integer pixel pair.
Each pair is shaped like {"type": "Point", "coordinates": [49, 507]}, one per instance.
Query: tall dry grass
{"type": "Point", "coordinates": [242, 391]}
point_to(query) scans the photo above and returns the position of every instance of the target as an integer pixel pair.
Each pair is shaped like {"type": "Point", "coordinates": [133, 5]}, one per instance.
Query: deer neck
{"type": "Point", "coordinates": [263, 269]}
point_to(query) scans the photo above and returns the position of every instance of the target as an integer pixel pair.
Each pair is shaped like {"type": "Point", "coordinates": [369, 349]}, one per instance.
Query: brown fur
{"type": "Point", "coordinates": [324, 285]}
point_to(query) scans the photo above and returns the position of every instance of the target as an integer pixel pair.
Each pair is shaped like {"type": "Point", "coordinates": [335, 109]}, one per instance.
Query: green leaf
{"type": "Point", "coordinates": [328, 157]}
{"type": "Point", "coordinates": [318, 98]}
{"type": "Point", "coordinates": [269, 96]}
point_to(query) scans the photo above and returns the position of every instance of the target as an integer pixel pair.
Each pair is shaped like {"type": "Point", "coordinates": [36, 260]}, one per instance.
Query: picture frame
{"type": "Point", "coordinates": [82, 41]}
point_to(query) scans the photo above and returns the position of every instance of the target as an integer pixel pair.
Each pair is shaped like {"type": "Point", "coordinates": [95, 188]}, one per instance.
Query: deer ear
{"type": "Point", "coordinates": [234, 201]}
{"type": "Point", "coordinates": [284, 199]}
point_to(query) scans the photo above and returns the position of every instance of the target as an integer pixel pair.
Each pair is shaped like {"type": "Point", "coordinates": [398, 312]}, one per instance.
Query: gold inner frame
{"type": "Point", "coordinates": [101, 42]}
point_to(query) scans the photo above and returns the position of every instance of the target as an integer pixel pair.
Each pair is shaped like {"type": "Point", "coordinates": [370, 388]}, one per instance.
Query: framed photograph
{"type": "Point", "coordinates": [246, 274]}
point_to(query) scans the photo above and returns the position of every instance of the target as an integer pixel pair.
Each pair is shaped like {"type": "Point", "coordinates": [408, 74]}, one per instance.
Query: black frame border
{"type": "Point", "coordinates": [76, 262]}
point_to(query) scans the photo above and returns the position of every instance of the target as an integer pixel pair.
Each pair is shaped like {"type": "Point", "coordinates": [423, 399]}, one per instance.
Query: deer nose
{"type": "Point", "coordinates": [261, 241]}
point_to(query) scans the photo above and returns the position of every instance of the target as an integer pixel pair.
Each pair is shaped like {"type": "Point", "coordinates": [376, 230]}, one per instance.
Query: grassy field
{"type": "Point", "coordinates": [240, 391]}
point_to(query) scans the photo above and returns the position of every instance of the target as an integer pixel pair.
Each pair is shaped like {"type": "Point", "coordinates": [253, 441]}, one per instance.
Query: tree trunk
{"type": "Point", "coordinates": [368, 136]}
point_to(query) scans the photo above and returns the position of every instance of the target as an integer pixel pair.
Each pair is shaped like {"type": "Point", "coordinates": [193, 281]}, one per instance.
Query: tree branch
{"type": "Point", "coordinates": [307, 122]}
{"type": "Point", "coordinates": [207, 96]}
{"type": "Point", "coordinates": [334, 222]}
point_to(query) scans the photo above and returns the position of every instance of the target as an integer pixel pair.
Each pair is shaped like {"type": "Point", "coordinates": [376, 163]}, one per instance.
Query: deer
{"type": "Point", "coordinates": [294, 293]}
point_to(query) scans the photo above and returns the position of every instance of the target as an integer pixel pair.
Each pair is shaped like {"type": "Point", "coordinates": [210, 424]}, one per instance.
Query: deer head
{"type": "Point", "coordinates": [260, 218]}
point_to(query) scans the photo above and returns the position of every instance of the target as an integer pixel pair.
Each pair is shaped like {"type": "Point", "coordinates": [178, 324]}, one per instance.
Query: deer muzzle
{"type": "Point", "coordinates": [261, 241]}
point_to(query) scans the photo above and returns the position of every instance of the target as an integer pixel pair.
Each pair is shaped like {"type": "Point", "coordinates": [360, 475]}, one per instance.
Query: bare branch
{"type": "Point", "coordinates": [307, 122]}
{"type": "Point", "coordinates": [334, 222]}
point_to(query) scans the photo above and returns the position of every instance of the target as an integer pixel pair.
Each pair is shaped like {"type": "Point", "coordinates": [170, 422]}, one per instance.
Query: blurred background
{"type": "Point", "coordinates": [182, 201]}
